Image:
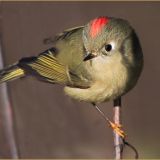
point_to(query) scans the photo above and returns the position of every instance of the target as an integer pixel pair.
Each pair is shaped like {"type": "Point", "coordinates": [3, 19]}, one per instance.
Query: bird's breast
{"type": "Point", "coordinates": [110, 77]}
{"type": "Point", "coordinates": [109, 82]}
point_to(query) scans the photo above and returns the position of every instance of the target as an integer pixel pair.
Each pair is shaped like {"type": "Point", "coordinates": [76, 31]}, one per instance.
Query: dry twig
{"type": "Point", "coordinates": [118, 141]}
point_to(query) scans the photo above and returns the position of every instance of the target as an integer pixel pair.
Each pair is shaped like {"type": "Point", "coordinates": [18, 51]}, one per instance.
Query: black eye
{"type": "Point", "coordinates": [108, 47]}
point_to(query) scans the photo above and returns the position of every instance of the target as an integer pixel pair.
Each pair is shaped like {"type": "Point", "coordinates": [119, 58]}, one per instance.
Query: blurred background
{"type": "Point", "coordinates": [47, 123]}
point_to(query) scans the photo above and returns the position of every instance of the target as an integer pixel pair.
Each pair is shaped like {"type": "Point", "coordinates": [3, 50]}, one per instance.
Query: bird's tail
{"type": "Point", "coordinates": [10, 73]}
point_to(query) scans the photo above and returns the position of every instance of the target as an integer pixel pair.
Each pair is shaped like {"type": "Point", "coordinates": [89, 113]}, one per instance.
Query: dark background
{"type": "Point", "coordinates": [49, 124]}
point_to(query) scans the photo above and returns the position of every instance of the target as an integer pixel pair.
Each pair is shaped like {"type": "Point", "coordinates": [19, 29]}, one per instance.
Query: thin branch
{"type": "Point", "coordinates": [7, 115]}
{"type": "Point", "coordinates": [119, 134]}
{"type": "Point", "coordinates": [131, 147]}
{"type": "Point", "coordinates": [118, 141]}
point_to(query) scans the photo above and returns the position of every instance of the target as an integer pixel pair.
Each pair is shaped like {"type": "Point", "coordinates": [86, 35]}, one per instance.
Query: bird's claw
{"type": "Point", "coordinates": [118, 129]}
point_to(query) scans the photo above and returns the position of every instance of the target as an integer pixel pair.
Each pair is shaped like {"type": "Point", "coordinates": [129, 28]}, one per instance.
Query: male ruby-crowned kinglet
{"type": "Point", "coordinates": [97, 62]}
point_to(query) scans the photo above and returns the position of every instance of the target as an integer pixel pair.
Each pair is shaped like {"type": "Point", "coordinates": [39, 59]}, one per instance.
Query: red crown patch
{"type": "Point", "coordinates": [97, 25]}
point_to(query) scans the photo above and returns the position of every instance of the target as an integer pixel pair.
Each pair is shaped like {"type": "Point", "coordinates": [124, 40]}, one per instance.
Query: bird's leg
{"type": "Point", "coordinates": [116, 127]}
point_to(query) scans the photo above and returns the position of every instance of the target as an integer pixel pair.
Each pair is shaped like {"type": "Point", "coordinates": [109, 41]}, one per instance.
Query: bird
{"type": "Point", "coordinates": [97, 62]}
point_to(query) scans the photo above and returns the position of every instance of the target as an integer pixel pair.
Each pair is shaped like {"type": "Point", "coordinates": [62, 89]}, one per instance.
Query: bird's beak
{"type": "Point", "coordinates": [89, 56]}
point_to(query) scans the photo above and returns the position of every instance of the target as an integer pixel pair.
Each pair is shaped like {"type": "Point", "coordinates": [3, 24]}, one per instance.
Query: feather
{"type": "Point", "coordinates": [62, 35]}
{"type": "Point", "coordinates": [45, 67]}
{"type": "Point", "coordinates": [10, 73]}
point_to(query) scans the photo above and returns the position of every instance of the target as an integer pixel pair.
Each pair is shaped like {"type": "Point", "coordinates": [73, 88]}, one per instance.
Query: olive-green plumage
{"type": "Point", "coordinates": [97, 62]}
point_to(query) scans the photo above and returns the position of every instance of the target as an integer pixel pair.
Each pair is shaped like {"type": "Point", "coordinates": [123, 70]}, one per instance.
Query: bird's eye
{"type": "Point", "coordinates": [108, 47]}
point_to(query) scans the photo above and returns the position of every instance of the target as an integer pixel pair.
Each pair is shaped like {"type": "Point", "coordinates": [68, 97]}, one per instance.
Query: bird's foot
{"type": "Point", "coordinates": [118, 129]}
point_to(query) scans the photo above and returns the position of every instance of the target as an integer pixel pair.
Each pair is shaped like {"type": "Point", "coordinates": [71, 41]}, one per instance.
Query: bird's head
{"type": "Point", "coordinates": [107, 37]}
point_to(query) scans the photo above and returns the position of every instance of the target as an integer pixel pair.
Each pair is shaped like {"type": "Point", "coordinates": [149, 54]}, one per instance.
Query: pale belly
{"type": "Point", "coordinates": [110, 82]}
{"type": "Point", "coordinates": [108, 85]}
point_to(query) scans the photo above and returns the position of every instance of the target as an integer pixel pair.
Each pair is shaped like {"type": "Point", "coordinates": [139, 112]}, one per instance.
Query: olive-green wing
{"type": "Point", "coordinates": [45, 67]}
{"type": "Point", "coordinates": [61, 64]}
